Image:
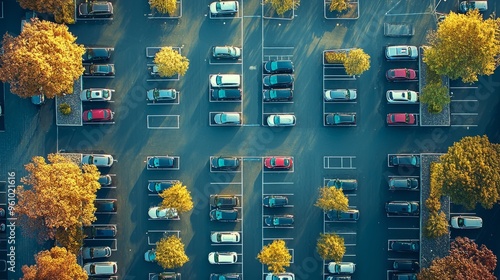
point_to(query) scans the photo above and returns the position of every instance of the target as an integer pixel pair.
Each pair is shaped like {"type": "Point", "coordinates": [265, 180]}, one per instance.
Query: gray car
{"type": "Point", "coordinates": [348, 215]}
{"type": "Point", "coordinates": [403, 208]}
{"type": "Point", "coordinates": [344, 184]}
{"type": "Point", "coordinates": [339, 119]}
{"type": "Point", "coordinates": [403, 184]}
{"type": "Point", "coordinates": [158, 95]}
{"type": "Point", "coordinates": [227, 118]}
{"type": "Point", "coordinates": [89, 253]}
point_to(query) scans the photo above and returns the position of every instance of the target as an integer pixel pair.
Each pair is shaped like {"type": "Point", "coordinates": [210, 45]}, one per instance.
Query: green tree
{"type": "Point", "coordinates": [70, 238]}
{"type": "Point", "coordinates": [164, 6]}
{"type": "Point", "coordinates": [58, 263]}
{"type": "Point", "coordinates": [357, 62]}
{"type": "Point", "coordinates": [331, 198]}
{"type": "Point", "coordinates": [435, 96]}
{"type": "Point", "coordinates": [178, 197]}
{"type": "Point", "coordinates": [471, 172]}
{"type": "Point", "coordinates": [44, 58]}
{"type": "Point", "coordinates": [171, 62]}
{"type": "Point", "coordinates": [339, 5]}
{"type": "Point", "coordinates": [330, 247]}
{"type": "Point", "coordinates": [63, 10]}
{"type": "Point", "coordinates": [464, 46]}
{"type": "Point", "coordinates": [283, 6]}
{"type": "Point", "coordinates": [436, 225]}
{"type": "Point", "coordinates": [276, 256]}
{"type": "Point", "coordinates": [170, 252]}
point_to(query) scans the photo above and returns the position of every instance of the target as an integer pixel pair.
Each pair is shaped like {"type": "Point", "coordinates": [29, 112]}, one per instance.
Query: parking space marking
{"type": "Point", "coordinates": [162, 233]}
{"type": "Point", "coordinates": [277, 238]}
{"type": "Point", "coordinates": [111, 242]}
{"type": "Point", "coordinates": [338, 162]}
{"type": "Point", "coordinates": [226, 183]}
{"type": "Point", "coordinates": [173, 119]}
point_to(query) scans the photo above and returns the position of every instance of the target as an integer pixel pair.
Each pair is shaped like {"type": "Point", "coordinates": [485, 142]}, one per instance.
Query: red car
{"type": "Point", "coordinates": [98, 115]}
{"type": "Point", "coordinates": [401, 118]}
{"type": "Point", "coordinates": [401, 74]}
{"type": "Point", "coordinates": [278, 162]}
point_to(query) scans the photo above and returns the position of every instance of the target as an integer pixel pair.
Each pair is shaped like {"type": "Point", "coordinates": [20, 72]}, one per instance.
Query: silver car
{"type": "Point", "coordinates": [340, 95]}
{"type": "Point", "coordinates": [155, 95]}
{"type": "Point", "coordinates": [281, 120]}
{"type": "Point", "coordinates": [227, 118]}
{"type": "Point", "coordinates": [466, 222]}
{"type": "Point", "coordinates": [225, 80]}
{"type": "Point", "coordinates": [99, 160]}
{"type": "Point", "coordinates": [96, 252]}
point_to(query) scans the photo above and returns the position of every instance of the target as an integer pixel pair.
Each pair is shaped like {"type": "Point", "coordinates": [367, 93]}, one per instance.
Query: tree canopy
{"type": "Point", "coordinates": [170, 252]}
{"type": "Point", "coordinates": [465, 261]}
{"type": "Point", "coordinates": [62, 194]}
{"type": "Point", "coordinates": [170, 62]}
{"type": "Point", "coordinates": [164, 6]}
{"type": "Point", "coordinates": [44, 58]}
{"type": "Point", "coordinates": [283, 6]}
{"type": "Point", "coordinates": [63, 10]}
{"type": "Point", "coordinates": [471, 172]}
{"type": "Point", "coordinates": [178, 197]}
{"type": "Point", "coordinates": [331, 198]}
{"type": "Point", "coordinates": [330, 247]}
{"type": "Point", "coordinates": [435, 96]}
{"type": "Point", "coordinates": [464, 46]}
{"type": "Point", "coordinates": [276, 256]}
{"type": "Point", "coordinates": [57, 263]}
{"type": "Point", "coordinates": [357, 62]}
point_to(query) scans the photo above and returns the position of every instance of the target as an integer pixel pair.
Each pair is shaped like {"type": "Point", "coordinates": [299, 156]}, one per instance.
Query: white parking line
{"type": "Point", "coordinates": [172, 118]}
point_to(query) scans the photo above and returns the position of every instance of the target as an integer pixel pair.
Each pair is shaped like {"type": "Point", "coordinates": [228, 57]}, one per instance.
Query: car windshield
{"type": "Point", "coordinates": [231, 51]}
{"type": "Point", "coordinates": [89, 115]}
{"type": "Point", "coordinates": [221, 162]}
{"type": "Point", "coordinates": [274, 65]}
{"type": "Point", "coordinates": [156, 93]}
{"type": "Point", "coordinates": [276, 221]}
{"type": "Point", "coordinates": [273, 94]}
{"type": "Point", "coordinates": [461, 222]}
{"type": "Point", "coordinates": [156, 162]}
{"type": "Point", "coordinates": [277, 119]}
{"type": "Point", "coordinates": [409, 51]}
{"type": "Point", "coordinates": [88, 94]}
{"type": "Point", "coordinates": [409, 95]}
{"type": "Point", "coordinates": [218, 215]}
{"type": "Point", "coordinates": [105, 93]}
{"type": "Point", "coordinates": [407, 118]}
{"type": "Point", "coordinates": [158, 187]}
{"type": "Point", "coordinates": [273, 80]}
{"type": "Point", "coordinates": [92, 269]}
{"type": "Point", "coordinates": [218, 80]}
{"type": "Point", "coordinates": [218, 6]}
{"type": "Point", "coordinates": [222, 93]}
{"type": "Point", "coordinates": [272, 201]}
{"type": "Point", "coordinates": [286, 162]}
{"type": "Point", "coordinates": [407, 73]}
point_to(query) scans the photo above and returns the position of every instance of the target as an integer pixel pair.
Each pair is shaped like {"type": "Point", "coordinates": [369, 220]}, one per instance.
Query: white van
{"type": "Point", "coordinates": [465, 6]}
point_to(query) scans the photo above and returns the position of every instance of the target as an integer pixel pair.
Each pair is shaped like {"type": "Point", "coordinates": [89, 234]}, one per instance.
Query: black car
{"type": "Point", "coordinates": [405, 160]}
{"type": "Point", "coordinates": [225, 163]}
{"type": "Point", "coordinates": [226, 94]}
{"type": "Point", "coordinates": [274, 201]}
{"type": "Point", "coordinates": [404, 276]}
{"type": "Point", "coordinates": [340, 119]}
{"type": "Point", "coordinates": [100, 231]}
{"type": "Point", "coordinates": [405, 246]}
{"type": "Point", "coordinates": [158, 187]}
{"type": "Point", "coordinates": [403, 208]}
{"type": "Point", "coordinates": [278, 66]}
{"type": "Point", "coordinates": [405, 265]}
{"type": "Point", "coordinates": [96, 55]}
{"type": "Point", "coordinates": [349, 215]}
{"type": "Point", "coordinates": [89, 253]}
{"type": "Point", "coordinates": [279, 220]}
{"type": "Point", "coordinates": [221, 215]}
{"type": "Point", "coordinates": [231, 276]}
{"type": "Point", "coordinates": [278, 81]}
{"type": "Point", "coordinates": [224, 201]}
{"type": "Point", "coordinates": [344, 184]}
{"type": "Point", "coordinates": [403, 184]}
{"type": "Point", "coordinates": [95, 9]}
{"type": "Point", "coordinates": [105, 205]}
{"type": "Point", "coordinates": [160, 162]}
{"type": "Point", "coordinates": [270, 95]}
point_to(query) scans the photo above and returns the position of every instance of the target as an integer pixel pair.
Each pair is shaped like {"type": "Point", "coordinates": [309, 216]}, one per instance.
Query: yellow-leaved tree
{"type": "Point", "coordinates": [58, 263]}
{"type": "Point", "coordinates": [170, 252]}
{"type": "Point", "coordinates": [170, 62]}
{"type": "Point", "coordinates": [283, 6]}
{"type": "Point", "coordinates": [357, 62]}
{"type": "Point", "coordinates": [164, 6]}
{"type": "Point", "coordinates": [276, 256]}
{"type": "Point", "coordinates": [178, 197]}
{"type": "Point", "coordinates": [339, 5]}
{"type": "Point", "coordinates": [331, 198]}
{"type": "Point", "coordinates": [330, 247]}
{"type": "Point", "coordinates": [63, 10]}
{"type": "Point", "coordinates": [44, 58]}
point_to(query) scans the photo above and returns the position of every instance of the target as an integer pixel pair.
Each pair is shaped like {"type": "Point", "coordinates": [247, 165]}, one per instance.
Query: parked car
{"type": "Point", "coordinates": [225, 80]}
{"type": "Point", "coordinates": [341, 267]}
{"type": "Point", "coordinates": [280, 276]}
{"type": "Point", "coordinates": [404, 160]}
{"type": "Point", "coordinates": [222, 257]}
{"type": "Point", "coordinates": [161, 162]}
{"type": "Point", "coordinates": [340, 119]}
{"type": "Point", "coordinates": [105, 205]}
{"type": "Point", "coordinates": [281, 120]}
{"type": "Point", "coordinates": [96, 252]}
{"type": "Point", "coordinates": [231, 118]}
{"type": "Point", "coordinates": [100, 231]}
{"type": "Point", "coordinates": [403, 184]}
{"type": "Point", "coordinates": [95, 9]}
{"type": "Point", "coordinates": [225, 237]}
{"type": "Point", "coordinates": [163, 213]}
{"type": "Point", "coordinates": [224, 201]}
{"type": "Point", "coordinates": [225, 163]}
{"type": "Point", "coordinates": [224, 215]}
{"type": "Point", "coordinates": [278, 81]}
{"type": "Point", "coordinates": [150, 255]}
{"type": "Point", "coordinates": [105, 180]}
{"type": "Point", "coordinates": [168, 275]}
{"type": "Point", "coordinates": [405, 246]}
{"type": "Point", "coordinates": [339, 277]}
{"type": "Point", "coordinates": [37, 100]}
{"type": "Point", "coordinates": [99, 70]}
{"type": "Point", "coordinates": [270, 95]}
{"type": "Point", "coordinates": [344, 184]}
{"type": "Point", "coordinates": [466, 222]}
{"type": "Point", "coordinates": [348, 215]}
{"type": "Point", "coordinates": [278, 220]}
{"type": "Point", "coordinates": [100, 268]}
{"type": "Point", "coordinates": [224, 7]}
{"type": "Point", "coordinates": [226, 94]}
{"type": "Point", "coordinates": [272, 201]}
{"type": "Point", "coordinates": [278, 162]}
{"type": "Point", "coordinates": [227, 276]}
{"type": "Point", "coordinates": [403, 208]}
{"type": "Point", "coordinates": [99, 160]}
{"type": "Point", "coordinates": [401, 74]}
{"type": "Point", "coordinates": [405, 265]}
{"type": "Point", "coordinates": [401, 119]}
{"type": "Point", "coordinates": [96, 54]}
{"type": "Point", "coordinates": [340, 95]}
{"type": "Point", "coordinates": [96, 94]}
{"type": "Point", "coordinates": [401, 96]}
{"type": "Point", "coordinates": [98, 115]}
{"type": "Point", "coordinates": [401, 52]}
{"type": "Point", "coordinates": [404, 276]}
{"type": "Point", "coordinates": [160, 186]}
{"type": "Point", "coordinates": [465, 6]}
{"type": "Point", "coordinates": [230, 52]}
{"type": "Point", "coordinates": [278, 66]}
{"type": "Point", "coordinates": [159, 95]}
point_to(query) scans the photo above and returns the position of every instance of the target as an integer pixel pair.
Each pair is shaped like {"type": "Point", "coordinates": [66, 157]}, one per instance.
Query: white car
{"type": "Point", "coordinates": [225, 80]}
{"type": "Point", "coordinates": [466, 222]}
{"type": "Point", "coordinates": [227, 118]}
{"type": "Point", "coordinates": [401, 96]}
{"type": "Point", "coordinates": [100, 268]}
{"type": "Point", "coordinates": [224, 7]}
{"type": "Point", "coordinates": [99, 160]}
{"type": "Point", "coordinates": [225, 237]}
{"type": "Point", "coordinates": [401, 52]}
{"type": "Point", "coordinates": [165, 213]}
{"type": "Point", "coordinates": [222, 257]}
{"type": "Point", "coordinates": [161, 94]}
{"type": "Point", "coordinates": [341, 267]}
{"type": "Point", "coordinates": [281, 120]}
{"type": "Point", "coordinates": [340, 95]}
{"type": "Point", "coordinates": [280, 276]}
{"type": "Point", "coordinates": [96, 94]}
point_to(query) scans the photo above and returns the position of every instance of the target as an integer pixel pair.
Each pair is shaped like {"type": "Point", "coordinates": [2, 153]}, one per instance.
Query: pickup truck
{"type": "Point", "coordinates": [108, 231]}
{"type": "Point", "coordinates": [404, 160]}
